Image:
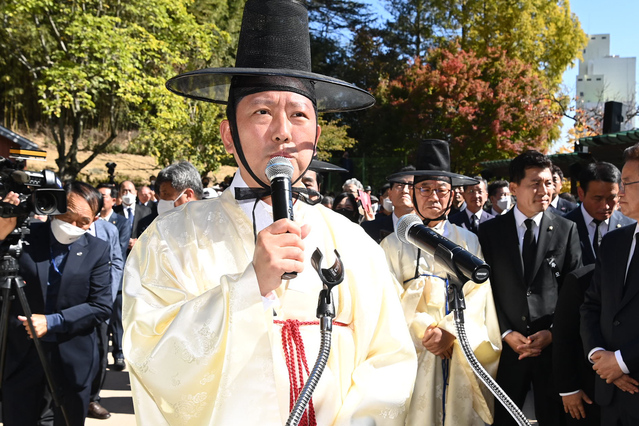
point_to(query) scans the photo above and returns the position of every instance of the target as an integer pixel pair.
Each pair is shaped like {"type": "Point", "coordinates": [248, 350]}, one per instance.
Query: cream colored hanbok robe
{"type": "Point", "coordinates": [467, 401]}
{"type": "Point", "coordinates": [203, 349]}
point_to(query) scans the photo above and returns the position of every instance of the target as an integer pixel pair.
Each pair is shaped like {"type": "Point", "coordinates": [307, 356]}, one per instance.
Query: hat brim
{"type": "Point", "coordinates": [456, 179]}
{"type": "Point", "coordinates": [323, 166]}
{"type": "Point", "coordinates": [213, 84]}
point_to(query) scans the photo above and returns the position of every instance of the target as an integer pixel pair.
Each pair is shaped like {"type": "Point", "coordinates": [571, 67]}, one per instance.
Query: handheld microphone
{"type": "Point", "coordinates": [460, 262]}
{"type": "Point", "coordinates": [279, 171]}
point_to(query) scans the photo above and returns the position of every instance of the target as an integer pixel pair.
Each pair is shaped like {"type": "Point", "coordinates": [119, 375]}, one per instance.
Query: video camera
{"type": "Point", "coordinates": [39, 192]}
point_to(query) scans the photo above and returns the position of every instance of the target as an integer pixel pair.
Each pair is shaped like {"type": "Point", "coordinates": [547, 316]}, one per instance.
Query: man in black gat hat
{"type": "Point", "coordinates": [446, 391]}
{"type": "Point", "coordinates": [213, 335]}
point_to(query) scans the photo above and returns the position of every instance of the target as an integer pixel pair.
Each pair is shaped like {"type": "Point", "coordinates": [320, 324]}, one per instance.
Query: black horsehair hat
{"type": "Point", "coordinates": [274, 41]}
{"type": "Point", "coordinates": [433, 160]}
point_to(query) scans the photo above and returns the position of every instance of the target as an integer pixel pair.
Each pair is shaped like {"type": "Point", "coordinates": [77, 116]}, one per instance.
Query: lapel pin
{"type": "Point", "coordinates": [550, 228]}
{"type": "Point", "coordinates": [79, 253]}
{"type": "Point", "coordinates": [619, 225]}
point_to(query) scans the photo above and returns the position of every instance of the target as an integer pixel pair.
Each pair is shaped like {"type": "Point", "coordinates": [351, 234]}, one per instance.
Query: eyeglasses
{"type": "Point", "coordinates": [427, 192]}
{"type": "Point", "coordinates": [622, 185]}
{"type": "Point", "coordinates": [401, 186]}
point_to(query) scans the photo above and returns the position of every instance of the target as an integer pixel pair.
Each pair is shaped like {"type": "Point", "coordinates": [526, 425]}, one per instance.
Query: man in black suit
{"type": "Point", "coordinates": [530, 250]}
{"type": "Point", "coordinates": [132, 211]}
{"type": "Point", "coordinates": [599, 194]}
{"type": "Point", "coordinates": [573, 374]}
{"type": "Point", "coordinates": [610, 311]}
{"type": "Point", "coordinates": [473, 215]}
{"type": "Point", "coordinates": [559, 205]}
{"type": "Point", "coordinates": [69, 292]}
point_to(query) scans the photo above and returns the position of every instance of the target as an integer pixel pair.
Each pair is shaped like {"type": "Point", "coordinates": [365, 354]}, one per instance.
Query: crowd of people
{"type": "Point", "coordinates": [214, 311]}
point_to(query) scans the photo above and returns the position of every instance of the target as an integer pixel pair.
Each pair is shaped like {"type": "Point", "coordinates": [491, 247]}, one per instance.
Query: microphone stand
{"type": "Point", "coordinates": [325, 312]}
{"type": "Point", "coordinates": [457, 303]}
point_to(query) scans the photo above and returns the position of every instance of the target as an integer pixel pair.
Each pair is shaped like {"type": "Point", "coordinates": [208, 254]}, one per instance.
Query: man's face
{"type": "Point", "coordinates": [432, 197]}
{"type": "Point", "coordinates": [459, 196]}
{"type": "Point", "coordinates": [601, 199]}
{"type": "Point", "coordinates": [126, 188]}
{"type": "Point", "coordinates": [168, 193]}
{"type": "Point", "coordinates": [144, 194]}
{"type": "Point", "coordinates": [272, 124]}
{"type": "Point", "coordinates": [352, 189]}
{"type": "Point", "coordinates": [107, 200]}
{"type": "Point", "coordinates": [534, 191]}
{"type": "Point", "coordinates": [310, 180]}
{"type": "Point", "coordinates": [401, 194]}
{"type": "Point", "coordinates": [78, 213]}
{"type": "Point", "coordinates": [504, 191]}
{"type": "Point", "coordinates": [629, 194]}
{"type": "Point", "coordinates": [475, 197]}
{"type": "Point", "coordinates": [557, 184]}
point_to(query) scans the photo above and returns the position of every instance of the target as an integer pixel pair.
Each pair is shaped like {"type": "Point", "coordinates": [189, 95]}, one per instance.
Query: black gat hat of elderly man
{"type": "Point", "coordinates": [433, 163]}
{"type": "Point", "coordinates": [273, 54]}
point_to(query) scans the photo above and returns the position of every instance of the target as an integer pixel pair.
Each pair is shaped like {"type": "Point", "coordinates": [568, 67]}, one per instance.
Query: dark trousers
{"type": "Point", "coordinates": [103, 351]}
{"type": "Point", "coordinates": [622, 411]}
{"type": "Point", "coordinates": [515, 378]}
{"type": "Point", "coordinates": [115, 326]}
{"type": "Point", "coordinates": [25, 395]}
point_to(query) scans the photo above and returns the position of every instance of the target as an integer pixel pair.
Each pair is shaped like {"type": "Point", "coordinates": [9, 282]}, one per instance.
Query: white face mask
{"type": "Point", "coordinates": [375, 207]}
{"type": "Point", "coordinates": [128, 199]}
{"type": "Point", "coordinates": [504, 202]}
{"type": "Point", "coordinates": [387, 204]}
{"type": "Point", "coordinates": [166, 205]}
{"type": "Point", "coordinates": [64, 232]}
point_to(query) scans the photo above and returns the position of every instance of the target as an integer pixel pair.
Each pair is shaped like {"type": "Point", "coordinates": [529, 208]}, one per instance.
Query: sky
{"type": "Point", "coordinates": [619, 18]}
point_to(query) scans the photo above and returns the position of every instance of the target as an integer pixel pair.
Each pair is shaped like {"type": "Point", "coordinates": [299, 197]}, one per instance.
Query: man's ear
{"type": "Point", "coordinates": [513, 188]}
{"type": "Point", "coordinates": [581, 193]}
{"type": "Point", "coordinates": [227, 136]}
{"type": "Point", "coordinates": [190, 194]}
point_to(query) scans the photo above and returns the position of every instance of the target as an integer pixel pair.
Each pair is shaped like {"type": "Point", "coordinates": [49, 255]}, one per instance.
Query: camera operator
{"type": "Point", "coordinates": [67, 278]}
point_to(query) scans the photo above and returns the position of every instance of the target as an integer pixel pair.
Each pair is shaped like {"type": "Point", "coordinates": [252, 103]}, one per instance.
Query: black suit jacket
{"type": "Point", "coordinates": [124, 230]}
{"type": "Point", "coordinates": [617, 220]}
{"type": "Point", "coordinates": [610, 313]}
{"type": "Point", "coordinates": [571, 370]}
{"type": "Point", "coordinates": [379, 228]}
{"type": "Point", "coordinates": [557, 245]}
{"type": "Point", "coordinates": [139, 212]}
{"type": "Point", "coordinates": [563, 207]}
{"type": "Point", "coordinates": [461, 218]}
{"type": "Point", "coordinates": [84, 300]}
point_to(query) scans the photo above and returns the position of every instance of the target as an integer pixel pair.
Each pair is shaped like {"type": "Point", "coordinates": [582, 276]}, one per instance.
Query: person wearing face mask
{"type": "Point", "coordinates": [69, 291]}
{"type": "Point", "coordinates": [176, 185]}
{"type": "Point", "coordinates": [346, 205]}
{"type": "Point", "coordinates": [500, 198]}
{"type": "Point", "coordinates": [132, 211]}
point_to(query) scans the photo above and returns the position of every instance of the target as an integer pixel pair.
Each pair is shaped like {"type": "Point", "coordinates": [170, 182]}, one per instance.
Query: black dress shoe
{"type": "Point", "coordinates": [119, 364]}
{"type": "Point", "coordinates": [96, 411]}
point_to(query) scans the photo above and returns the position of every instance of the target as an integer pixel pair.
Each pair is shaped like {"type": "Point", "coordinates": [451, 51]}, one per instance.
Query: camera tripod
{"type": "Point", "coordinates": [11, 283]}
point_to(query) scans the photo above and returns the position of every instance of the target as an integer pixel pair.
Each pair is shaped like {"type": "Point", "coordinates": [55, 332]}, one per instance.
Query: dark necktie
{"type": "Point", "coordinates": [596, 239]}
{"type": "Point", "coordinates": [633, 269]}
{"type": "Point", "coordinates": [528, 251]}
{"type": "Point", "coordinates": [130, 211]}
{"type": "Point", "coordinates": [474, 223]}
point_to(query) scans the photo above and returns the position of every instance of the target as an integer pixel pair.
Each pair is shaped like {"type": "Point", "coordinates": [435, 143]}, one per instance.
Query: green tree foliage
{"type": "Point", "coordinates": [489, 107]}
{"type": "Point", "coordinates": [102, 64]}
{"type": "Point", "coordinates": [542, 33]}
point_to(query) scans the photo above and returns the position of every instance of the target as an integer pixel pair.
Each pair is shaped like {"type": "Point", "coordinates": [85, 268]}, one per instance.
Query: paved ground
{"type": "Point", "coordinates": [116, 397]}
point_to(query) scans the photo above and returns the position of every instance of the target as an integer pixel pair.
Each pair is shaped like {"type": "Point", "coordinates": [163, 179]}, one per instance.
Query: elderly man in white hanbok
{"type": "Point", "coordinates": [447, 392]}
{"type": "Point", "coordinates": [213, 334]}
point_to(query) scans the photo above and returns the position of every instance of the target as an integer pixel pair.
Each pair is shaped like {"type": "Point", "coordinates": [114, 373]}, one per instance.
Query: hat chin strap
{"type": "Point", "coordinates": [240, 152]}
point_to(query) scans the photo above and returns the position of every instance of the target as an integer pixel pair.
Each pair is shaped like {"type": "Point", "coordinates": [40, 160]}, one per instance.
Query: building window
{"type": "Point", "coordinates": [603, 38]}
{"type": "Point", "coordinates": [581, 94]}
{"type": "Point", "coordinates": [580, 79]}
{"type": "Point", "coordinates": [589, 79]}
{"type": "Point", "coordinates": [599, 79]}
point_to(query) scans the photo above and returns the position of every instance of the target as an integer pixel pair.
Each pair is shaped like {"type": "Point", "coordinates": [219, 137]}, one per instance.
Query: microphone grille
{"type": "Point", "coordinates": [279, 167]}
{"type": "Point", "coordinates": [404, 224]}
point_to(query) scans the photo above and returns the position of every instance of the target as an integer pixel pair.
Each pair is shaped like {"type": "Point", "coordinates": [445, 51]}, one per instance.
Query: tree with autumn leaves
{"type": "Point", "coordinates": [487, 107]}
